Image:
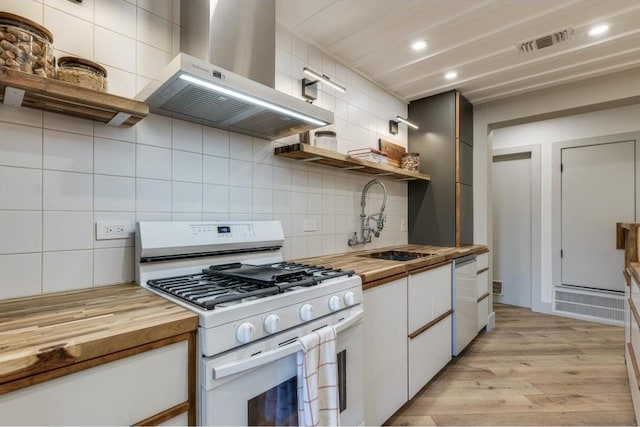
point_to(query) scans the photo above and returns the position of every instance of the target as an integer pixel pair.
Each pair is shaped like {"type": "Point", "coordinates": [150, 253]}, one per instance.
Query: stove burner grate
{"type": "Point", "coordinates": [232, 283]}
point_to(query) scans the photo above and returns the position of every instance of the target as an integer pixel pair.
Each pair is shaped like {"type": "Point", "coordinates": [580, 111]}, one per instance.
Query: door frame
{"type": "Point", "coordinates": [556, 193]}
{"type": "Point", "coordinates": [536, 215]}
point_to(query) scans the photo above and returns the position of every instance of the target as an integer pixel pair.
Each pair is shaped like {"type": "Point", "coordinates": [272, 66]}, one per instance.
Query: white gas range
{"type": "Point", "coordinates": [252, 308]}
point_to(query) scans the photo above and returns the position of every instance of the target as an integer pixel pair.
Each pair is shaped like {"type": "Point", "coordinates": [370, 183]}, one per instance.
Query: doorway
{"type": "Point", "coordinates": [516, 226]}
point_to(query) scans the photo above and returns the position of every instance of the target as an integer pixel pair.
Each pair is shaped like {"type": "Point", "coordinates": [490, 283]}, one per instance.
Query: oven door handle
{"type": "Point", "coordinates": [258, 360]}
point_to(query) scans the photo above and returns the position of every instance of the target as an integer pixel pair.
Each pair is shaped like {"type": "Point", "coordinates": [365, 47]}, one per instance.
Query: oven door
{"type": "Point", "coordinates": [257, 384]}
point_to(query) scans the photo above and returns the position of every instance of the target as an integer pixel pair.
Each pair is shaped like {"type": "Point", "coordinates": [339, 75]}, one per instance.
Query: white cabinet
{"type": "Point", "coordinates": [121, 392]}
{"type": "Point", "coordinates": [429, 325]}
{"type": "Point", "coordinates": [385, 349]}
{"type": "Point", "coordinates": [482, 291]}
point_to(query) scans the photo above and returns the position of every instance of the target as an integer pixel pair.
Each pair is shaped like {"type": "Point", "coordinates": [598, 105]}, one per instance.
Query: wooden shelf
{"type": "Point", "coordinates": [29, 90]}
{"type": "Point", "coordinates": [309, 153]}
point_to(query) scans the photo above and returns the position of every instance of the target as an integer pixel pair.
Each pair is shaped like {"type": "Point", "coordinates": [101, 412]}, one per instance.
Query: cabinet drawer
{"type": "Point", "coordinates": [429, 295]}
{"type": "Point", "coordinates": [121, 392]}
{"type": "Point", "coordinates": [482, 261]}
{"type": "Point", "coordinates": [482, 284]}
{"type": "Point", "coordinates": [483, 313]}
{"type": "Point", "coordinates": [429, 352]}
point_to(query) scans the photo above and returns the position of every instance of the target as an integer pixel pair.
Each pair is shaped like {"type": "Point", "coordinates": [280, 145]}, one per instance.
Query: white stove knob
{"type": "Point", "coordinates": [271, 323]}
{"type": "Point", "coordinates": [245, 331]}
{"type": "Point", "coordinates": [349, 298]}
{"type": "Point", "coordinates": [306, 312]}
{"type": "Point", "coordinates": [334, 303]}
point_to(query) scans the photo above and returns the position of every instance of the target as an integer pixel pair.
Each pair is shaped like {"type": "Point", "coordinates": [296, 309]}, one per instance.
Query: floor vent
{"type": "Point", "coordinates": [593, 304]}
{"type": "Point", "coordinates": [545, 41]}
{"type": "Point", "coordinates": [497, 287]}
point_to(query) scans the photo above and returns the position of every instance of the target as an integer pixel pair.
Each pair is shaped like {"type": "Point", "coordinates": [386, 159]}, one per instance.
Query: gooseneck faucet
{"type": "Point", "coordinates": [378, 217]}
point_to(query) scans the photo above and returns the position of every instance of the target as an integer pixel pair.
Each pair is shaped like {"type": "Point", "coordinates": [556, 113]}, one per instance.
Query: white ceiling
{"type": "Point", "coordinates": [476, 38]}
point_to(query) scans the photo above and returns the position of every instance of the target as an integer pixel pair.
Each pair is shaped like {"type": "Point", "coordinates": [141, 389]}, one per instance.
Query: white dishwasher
{"type": "Point", "coordinates": [464, 303]}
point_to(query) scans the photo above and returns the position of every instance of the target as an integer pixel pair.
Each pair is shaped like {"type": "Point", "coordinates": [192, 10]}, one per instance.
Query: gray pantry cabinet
{"type": "Point", "coordinates": [441, 211]}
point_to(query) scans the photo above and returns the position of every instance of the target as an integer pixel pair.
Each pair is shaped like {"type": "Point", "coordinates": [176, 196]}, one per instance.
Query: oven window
{"type": "Point", "coordinates": [277, 406]}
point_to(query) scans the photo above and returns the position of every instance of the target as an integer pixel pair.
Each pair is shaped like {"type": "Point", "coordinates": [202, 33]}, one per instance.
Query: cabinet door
{"type": "Point", "coordinates": [121, 392]}
{"type": "Point", "coordinates": [465, 163]}
{"type": "Point", "coordinates": [429, 352]}
{"type": "Point", "coordinates": [464, 214]}
{"type": "Point", "coordinates": [385, 349]}
{"type": "Point", "coordinates": [429, 296]}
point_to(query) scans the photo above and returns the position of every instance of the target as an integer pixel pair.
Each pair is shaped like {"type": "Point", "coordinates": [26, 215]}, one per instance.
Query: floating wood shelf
{"type": "Point", "coordinates": [29, 90]}
{"type": "Point", "coordinates": [308, 153]}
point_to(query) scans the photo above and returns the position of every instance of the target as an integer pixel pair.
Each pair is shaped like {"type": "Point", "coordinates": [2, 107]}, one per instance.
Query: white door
{"type": "Point", "coordinates": [598, 190]}
{"type": "Point", "coordinates": [512, 190]}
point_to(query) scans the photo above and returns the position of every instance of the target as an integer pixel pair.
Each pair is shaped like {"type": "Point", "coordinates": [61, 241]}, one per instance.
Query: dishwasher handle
{"type": "Point", "coordinates": [462, 261]}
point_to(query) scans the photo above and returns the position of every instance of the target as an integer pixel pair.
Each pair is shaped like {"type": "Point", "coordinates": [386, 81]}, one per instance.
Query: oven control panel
{"type": "Point", "coordinates": [244, 231]}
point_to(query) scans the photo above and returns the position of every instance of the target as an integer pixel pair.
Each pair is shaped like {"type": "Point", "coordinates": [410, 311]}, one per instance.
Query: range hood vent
{"type": "Point", "coordinates": [213, 81]}
{"type": "Point", "coordinates": [545, 41]}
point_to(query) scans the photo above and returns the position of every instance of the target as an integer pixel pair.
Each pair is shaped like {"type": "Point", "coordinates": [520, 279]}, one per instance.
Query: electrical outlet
{"type": "Point", "coordinates": [112, 230]}
{"type": "Point", "coordinates": [403, 225]}
{"type": "Point", "coordinates": [309, 225]}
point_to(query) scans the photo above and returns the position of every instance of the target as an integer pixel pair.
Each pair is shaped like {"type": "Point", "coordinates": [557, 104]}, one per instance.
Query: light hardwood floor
{"type": "Point", "coordinates": [531, 369]}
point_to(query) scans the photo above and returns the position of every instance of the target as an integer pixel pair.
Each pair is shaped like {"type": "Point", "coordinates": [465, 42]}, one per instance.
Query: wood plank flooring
{"type": "Point", "coordinates": [531, 369]}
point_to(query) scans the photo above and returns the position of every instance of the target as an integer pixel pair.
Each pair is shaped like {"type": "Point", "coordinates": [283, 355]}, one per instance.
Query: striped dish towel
{"type": "Point", "coordinates": [318, 403]}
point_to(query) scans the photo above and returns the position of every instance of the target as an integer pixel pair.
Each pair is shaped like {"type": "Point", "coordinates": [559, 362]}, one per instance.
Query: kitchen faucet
{"type": "Point", "coordinates": [378, 217]}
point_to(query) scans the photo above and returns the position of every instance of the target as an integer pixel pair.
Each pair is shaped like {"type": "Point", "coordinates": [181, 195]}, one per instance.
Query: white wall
{"type": "Point", "coordinates": [61, 174]}
{"type": "Point", "coordinates": [546, 118]}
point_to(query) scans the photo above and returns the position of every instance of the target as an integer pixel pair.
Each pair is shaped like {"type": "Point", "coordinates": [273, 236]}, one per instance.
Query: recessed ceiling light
{"type": "Point", "coordinates": [598, 29]}
{"type": "Point", "coordinates": [419, 45]}
{"type": "Point", "coordinates": [451, 75]}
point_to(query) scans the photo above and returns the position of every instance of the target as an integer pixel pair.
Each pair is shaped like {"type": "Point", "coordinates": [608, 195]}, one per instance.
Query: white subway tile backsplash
{"type": "Point", "coordinates": [21, 188]}
{"type": "Point", "coordinates": [69, 152]}
{"type": "Point", "coordinates": [21, 231]}
{"type": "Point", "coordinates": [14, 116]}
{"type": "Point", "coordinates": [116, 15]}
{"type": "Point", "coordinates": [113, 265]}
{"type": "Point", "coordinates": [113, 157]}
{"type": "Point", "coordinates": [186, 197]}
{"type": "Point", "coordinates": [215, 198]}
{"type": "Point", "coordinates": [153, 195]}
{"type": "Point", "coordinates": [150, 59]}
{"type": "Point", "coordinates": [67, 191]}
{"type": "Point", "coordinates": [241, 147]}
{"type": "Point", "coordinates": [21, 275]}
{"type": "Point", "coordinates": [102, 130]}
{"type": "Point", "coordinates": [262, 151]}
{"type": "Point", "coordinates": [65, 271]}
{"type": "Point", "coordinates": [240, 200]}
{"type": "Point", "coordinates": [163, 8]}
{"type": "Point", "coordinates": [78, 42]}
{"type": "Point", "coordinates": [262, 201]}
{"type": "Point", "coordinates": [281, 202]}
{"type": "Point", "coordinates": [67, 230]}
{"type": "Point", "coordinates": [154, 30]}
{"type": "Point", "coordinates": [153, 216]}
{"type": "Point", "coordinates": [314, 203]}
{"type": "Point", "coordinates": [240, 173]}
{"type": "Point", "coordinates": [153, 162]}
{"type": "Point", "coordinates": [186, 136]}
{"type": "Point", "coordinates": [154, 130]}
{"type": "Point", "coordinates": [281, 178]}
{"type": "Point", "coordinates": [215, 141]}
{"type": "Point", "coordinates": [262, 176]}
{"type": "Point", "coordinates": [215, 170]}
{"type": "Point", "coordinates": [68, 124]}
{"type": "Point", "coordinates": [114, 193]}
{"type": "Point", "coordinates": [30, 9]}
{"type": "Point", "coordinates": [115, 50]}
{"type": "Point", "coordinates": [82, 10]}
{"type": "Point", "coordinates": [187, 166]}
{"type": "Point", "coordinates": [314, 245]}
{"type": "Point", "coordinates": [298, 247]}
{"type": "Point", "coordinates": [298, 203]}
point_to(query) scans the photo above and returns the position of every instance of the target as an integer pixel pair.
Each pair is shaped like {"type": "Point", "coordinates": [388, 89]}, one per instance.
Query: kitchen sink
{"type": "Point", "coordinates": [395, 255]}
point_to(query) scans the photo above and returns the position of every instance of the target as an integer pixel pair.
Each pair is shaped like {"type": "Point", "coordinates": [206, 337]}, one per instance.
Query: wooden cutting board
{"type": "Point", "coordinates": [394, 151]}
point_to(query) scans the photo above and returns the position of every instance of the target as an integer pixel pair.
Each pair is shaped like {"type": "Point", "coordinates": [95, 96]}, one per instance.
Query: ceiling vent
{"type": "Point", "coordinates": [545, 41]}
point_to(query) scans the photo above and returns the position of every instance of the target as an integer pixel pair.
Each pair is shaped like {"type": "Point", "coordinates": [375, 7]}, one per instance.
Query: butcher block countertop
{"type": "Point", "coordinates": [374, 271]}
{"type": "Point", "coordinates": [47, 332]}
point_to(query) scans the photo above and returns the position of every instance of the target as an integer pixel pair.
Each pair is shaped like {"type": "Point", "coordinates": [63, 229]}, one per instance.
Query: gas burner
{"type": "Point", "coordinates": [231, 284]}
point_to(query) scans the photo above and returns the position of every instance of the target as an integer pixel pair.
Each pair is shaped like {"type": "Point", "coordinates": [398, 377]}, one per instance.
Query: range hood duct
{"type": "Point", "coordinates": [225, 72]}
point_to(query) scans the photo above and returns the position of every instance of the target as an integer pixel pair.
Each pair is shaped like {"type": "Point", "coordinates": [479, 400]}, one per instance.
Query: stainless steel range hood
{"type": "Point", "coordinates": [238, 36]}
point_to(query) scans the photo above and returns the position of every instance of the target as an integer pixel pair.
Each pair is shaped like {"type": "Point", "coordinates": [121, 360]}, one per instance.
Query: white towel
{"type": "Point", "coordinates": [318, 403]}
